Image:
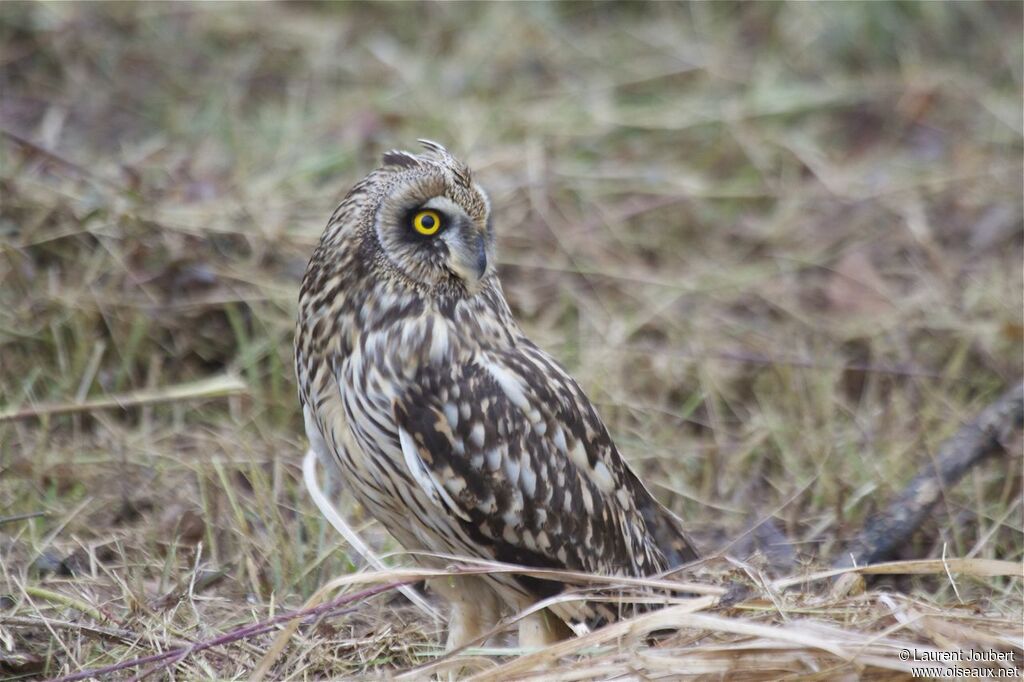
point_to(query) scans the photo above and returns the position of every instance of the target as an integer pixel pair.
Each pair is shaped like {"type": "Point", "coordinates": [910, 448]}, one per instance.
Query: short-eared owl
{"type": "Point", "coordinates": [447, 423]}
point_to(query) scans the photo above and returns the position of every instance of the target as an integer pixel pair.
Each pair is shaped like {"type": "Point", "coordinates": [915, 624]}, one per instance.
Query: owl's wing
{"type": "Point", "coordinates": [511, 447]}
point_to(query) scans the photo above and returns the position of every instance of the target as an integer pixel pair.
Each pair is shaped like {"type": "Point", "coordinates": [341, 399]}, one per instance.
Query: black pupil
{"type": "Point", "coordinates": [427, 221]}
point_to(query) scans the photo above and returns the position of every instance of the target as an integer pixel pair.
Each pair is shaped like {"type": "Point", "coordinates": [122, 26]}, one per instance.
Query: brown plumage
{"type": "Point", "coordinates": [446, 422]}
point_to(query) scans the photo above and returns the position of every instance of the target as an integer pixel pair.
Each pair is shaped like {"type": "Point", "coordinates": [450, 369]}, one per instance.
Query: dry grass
{"type": "Point", "coordinates": [779, 244]}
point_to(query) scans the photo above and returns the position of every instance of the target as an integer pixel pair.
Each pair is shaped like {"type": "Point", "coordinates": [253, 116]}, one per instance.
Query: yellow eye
{"type": "Point", "coordinates": [427, 222]}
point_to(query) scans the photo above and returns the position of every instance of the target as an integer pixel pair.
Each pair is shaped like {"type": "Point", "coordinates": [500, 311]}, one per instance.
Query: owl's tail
{"type": "Point", "coordinates": [667, 529]}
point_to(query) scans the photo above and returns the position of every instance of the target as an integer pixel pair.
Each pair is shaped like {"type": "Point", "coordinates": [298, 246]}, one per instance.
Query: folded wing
{"type": "Point", "coordinates": [511, 448]}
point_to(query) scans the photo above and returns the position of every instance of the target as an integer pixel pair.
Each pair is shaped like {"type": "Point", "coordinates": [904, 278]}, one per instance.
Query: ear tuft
{"type": "Point", "coordinates": [459, 171]}
{"type": "Point", "coordinates": [435, 147]}
{"type": "Point", "coordinates": [399, 158]}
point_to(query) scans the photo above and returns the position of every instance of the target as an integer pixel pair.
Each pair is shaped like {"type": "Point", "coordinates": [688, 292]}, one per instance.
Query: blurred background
{"type": "Point", "coordinates": [779, 244]}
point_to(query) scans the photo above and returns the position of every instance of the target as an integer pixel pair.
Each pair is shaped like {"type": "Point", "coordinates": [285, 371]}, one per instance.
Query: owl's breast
{"type": "Point", "coordinates": [382, 365]}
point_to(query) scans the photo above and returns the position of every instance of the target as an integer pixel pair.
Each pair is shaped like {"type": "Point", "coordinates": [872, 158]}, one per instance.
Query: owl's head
{"type": "Point", "coordinates": [429, 220]}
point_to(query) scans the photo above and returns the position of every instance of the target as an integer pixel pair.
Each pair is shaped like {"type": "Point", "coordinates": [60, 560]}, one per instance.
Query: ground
{"type": "Point", "coordinates": [780, 246]}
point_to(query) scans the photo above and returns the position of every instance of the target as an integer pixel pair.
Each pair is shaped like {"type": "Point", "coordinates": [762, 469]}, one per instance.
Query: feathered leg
{"type": "Point", "coordinates": [474, 607]}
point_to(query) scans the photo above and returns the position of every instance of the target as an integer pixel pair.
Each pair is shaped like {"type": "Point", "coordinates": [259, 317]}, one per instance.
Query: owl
{"type": "Point", "coordinates": [447, 424]}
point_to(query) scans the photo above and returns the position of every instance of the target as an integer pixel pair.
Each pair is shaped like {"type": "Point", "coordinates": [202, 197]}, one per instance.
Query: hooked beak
{"type": "Point", "coordinates": [468, 259]}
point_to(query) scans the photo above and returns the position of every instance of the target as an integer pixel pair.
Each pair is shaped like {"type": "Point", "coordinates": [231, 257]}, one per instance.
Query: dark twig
{"type": "Point", "coordinates": [21, 517]}
{"type": "Point", "coordinates": [989, 434]}
{"type": "Point", "coordinates": [180, 653]}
